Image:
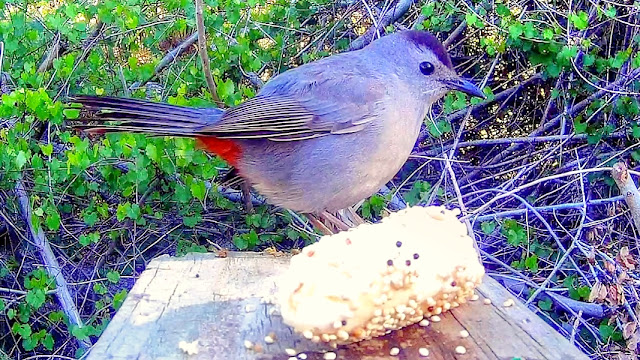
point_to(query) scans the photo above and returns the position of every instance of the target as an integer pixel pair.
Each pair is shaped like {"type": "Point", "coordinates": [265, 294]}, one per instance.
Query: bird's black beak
{"type": "Point", "coordinates": [465, 86]}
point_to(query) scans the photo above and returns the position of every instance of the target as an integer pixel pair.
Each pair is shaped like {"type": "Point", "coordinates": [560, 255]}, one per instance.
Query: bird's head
{"type": "Point", "coordinates": [422, 61]}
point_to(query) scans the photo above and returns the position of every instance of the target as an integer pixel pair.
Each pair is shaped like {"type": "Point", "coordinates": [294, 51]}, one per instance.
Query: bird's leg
{"type": "Point", "coordinates": [351, 214]}
{"type": "Point", "coordinates": [246, 196]}
{"type": "Point", "coordinates": [333, 220]}
{"type": "Point", "coordinates": [318, 224]}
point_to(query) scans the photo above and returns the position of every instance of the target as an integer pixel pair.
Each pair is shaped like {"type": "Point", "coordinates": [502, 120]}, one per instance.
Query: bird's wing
{"type": "Point", "coordinates": [301, 110]}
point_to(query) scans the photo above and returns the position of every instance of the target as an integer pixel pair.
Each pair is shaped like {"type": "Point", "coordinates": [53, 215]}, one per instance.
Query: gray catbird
{"type": "Point", "coordinates": [319, 137]}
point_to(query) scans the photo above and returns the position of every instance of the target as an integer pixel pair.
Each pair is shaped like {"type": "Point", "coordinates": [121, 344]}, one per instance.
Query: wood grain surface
{"type": "Point", "coordinates": [217, 303]}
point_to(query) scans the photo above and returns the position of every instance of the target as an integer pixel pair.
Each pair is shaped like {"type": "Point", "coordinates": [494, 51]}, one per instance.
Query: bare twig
{"type": "Point", "coordinates": [553, 122]}
{"type": "Point", "coordinates": [567, 206]}
{"type": "Point", "coordinates": [455, 34]}
{"type": "Point", "coordinates": [174, 53]}
{"type": "Point", "coordinates": [388, 17]}
{"type": "Point", "coordinates": [524, 140]}
{"type": "Point", "coordinates": [50, 262]}
{"type": "Point", "coordinates": [629, 190]}
{"type": "Point", "coordinates": [204, 56]}
{"type": "Point", "coordinates": [51, 55]}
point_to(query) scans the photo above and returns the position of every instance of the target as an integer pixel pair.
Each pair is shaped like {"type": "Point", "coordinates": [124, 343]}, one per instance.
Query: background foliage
{"type": "Point", "coordinates": [531, 162]}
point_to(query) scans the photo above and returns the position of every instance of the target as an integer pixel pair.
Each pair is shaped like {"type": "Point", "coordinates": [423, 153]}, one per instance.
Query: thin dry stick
{"type": "Point", "coordinates": [51, 55]}
{"type": "Point", "coordinates": [533, 183]}
{"type": "Point", "coordinates": [202, 50]}
{"type": "Point", "coordinates": [1, 54]}
{"type": "Point", "coordinates": [388, 17]}
{"type": "Point", "coordinates": [629, 190]}
{"type": "Point", "coordinates": [50, 262]}
{"type": "Point", "coordinates": [173, 54]}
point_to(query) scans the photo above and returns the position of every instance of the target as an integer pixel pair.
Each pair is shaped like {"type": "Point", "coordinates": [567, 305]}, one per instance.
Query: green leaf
{"type": "Point", "coordinates": [113, 276]}
{"type": "Point", "coordinates": [611, 12]}
{"type": "Point", "coordinates": [71, 113]}
{"type": "Point", "coordinates": [439, 128]}
{"type": "Point", "coordinates": [152, 152]}
{"type": "Point", "coordinates": [580, 20]}
{"type": "Point", "coordinates": [198, 190]}
{"type": "Point", "coordinates": [21, 159]}
{"type": "Point", "coordinates": [88, 239]}
{"type": "Point", "coordinates": [241, 242]}
{"type": "Point", "coordinates": [588, 60]}
{"type": "Point", "coordinates": [503, 10]}
{"type": "Point", "coordinates": [184, 247]}
{"type": "Point", "coordinates": [35, 298]}
{"type": "Point", "coordinates": [29, 343]}
{"type": "Point", "coordinates": [90, 218]}
{"type": "Point", "coordinates": [473, 20]}
{"type": "Point", "coordinates": [420, 191]}
{"type": "Point", "coordinates": [133, 212]}
{"type": "Point", "coordinates": [80, 333]}
{"type": "Point", "coordinates": [119, 298]}
{"type": "Point", "coordinates": [531, 263]}
{"type": "Point", "coordinates": [515, 233]}
{"type": "Point", "coordinates": [226, 89]}
{"type": "Point", "coordinates": [192, 221]}
{"type": "Point", "coordinates": [580, 128]}
{"type": "Point", "coordinates": [23, 330]}
{"type": "Point", "coordinates": [122, 210]}
{"type": "Point", "coordinates": [47, 149]}
{"type": "Point", "coordinates": [291, 234]}
{"type": "Point", "coordinates": [99, 288]}
{"type": "Point", "coordinates": [545, 305]}
{"type": "Point", "coordinates": [584, 292]}
{"type": "Point", "coordinates": [606, 332]}
{"type": "Point", "coordinates": [48, 342]}
{"type": "Point", "coordinates": [55, 316]}
{"type": "Point", "coordinates": [515, 30]}
{"type": "Point", "coordinates": [488, 227]}
{"type": "Point", "coordinates": [53, 219]}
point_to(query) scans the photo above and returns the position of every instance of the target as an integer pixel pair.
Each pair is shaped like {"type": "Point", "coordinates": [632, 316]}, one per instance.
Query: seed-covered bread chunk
{"type": "Point", "coordinates": [376, 278]}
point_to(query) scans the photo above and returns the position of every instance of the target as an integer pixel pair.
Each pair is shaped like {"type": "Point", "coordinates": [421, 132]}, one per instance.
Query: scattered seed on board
{"type": "Point", "coordinates": [330, 355]}
{"type": "Point", "coordinates": [435, 318]}
{"type": "Point", "coordinates": [307, 334]}
{"type": "Point", "coordinates": [487, 301]}
{"type": "Point", "coordinates": [269, 339]}
{"type": "Point", "coordinates": [302, 356]}
{"type": "Point", "coordinates": [509, 303]}
{"type": "Point", "coordinates": [250, 308]}
{"type": "Point", "coordinates": [293, 358]}
{"type": "Point", "coordinates": [475, 297]}
{"type": "Point", "coordinates": [394, 351]}
{"type": "Point", "coordinates": [424, 322]}
{"type": "Point", "coordinates": [460, 350]}
{"type": "Point", "coordinates": [290, 352]}
{"type": "Point", "coordinates": [424, 352]}
{"type": "Point", "coordinates": [464, 333]}
{"type": "Point", "coordinates": [248, 344]}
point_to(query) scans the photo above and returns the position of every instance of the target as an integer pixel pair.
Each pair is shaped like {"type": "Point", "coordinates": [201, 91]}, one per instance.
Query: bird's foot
{"type": "Point", "coordinates": [319, 225]}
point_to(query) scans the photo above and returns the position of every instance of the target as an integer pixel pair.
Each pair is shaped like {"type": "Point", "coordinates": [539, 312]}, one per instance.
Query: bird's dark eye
{"type": "Point", "coordinates": [426, 68]}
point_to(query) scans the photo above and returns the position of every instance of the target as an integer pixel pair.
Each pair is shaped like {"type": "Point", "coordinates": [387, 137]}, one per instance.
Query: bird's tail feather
{"type": "Point", "coordinates": [110, 114]}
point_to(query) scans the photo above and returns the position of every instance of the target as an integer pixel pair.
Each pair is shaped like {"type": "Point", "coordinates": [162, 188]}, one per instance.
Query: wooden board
{"type": "Point", "coordinates": [220, 302]}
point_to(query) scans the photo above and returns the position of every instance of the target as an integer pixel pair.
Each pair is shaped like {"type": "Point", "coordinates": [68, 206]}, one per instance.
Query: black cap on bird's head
{"type": "Point", "coordinates": [426, 41]}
